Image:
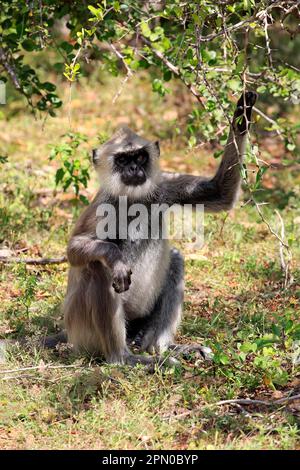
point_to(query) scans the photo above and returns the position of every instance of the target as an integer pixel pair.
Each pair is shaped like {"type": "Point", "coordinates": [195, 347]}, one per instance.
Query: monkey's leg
{"type": "Point", "coordinates": [94, 318]}
{"type": "Point", "coordinates": [158, 330]}
{"type": "Point", "coordinates": [49, 342]}
{"type": "Point", "coordinates": [160, 326]}
{"type": "Point", "coordinates": [93, 311]}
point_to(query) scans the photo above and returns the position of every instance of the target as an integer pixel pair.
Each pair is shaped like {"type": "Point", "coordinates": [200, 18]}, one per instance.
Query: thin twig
{"type": "Point", "coordinates": [248, 401]}
{"type": "Point", "coordinates": [239, 402]}
{"type": "Point", "coordinates": [174, 70]}
{"type": "Point", "coordinates": [271, 121]}
{"type": "Point", "coordinates": [282, 260]}
{"type": "Point", "coordinates": [34, 261]}
{"type": "Point", "coordinates": [269, 54]}
{"type": "Point", "coordinates": [42, 368]}
{"type": "Point", "coordinates": [285, 264]}
{"type": "Point", "coordinates": [129, 72]}
{"type": "Point", "coordinates": [230, 29]}
{"type": "Point", "coordinates": [121, 57]}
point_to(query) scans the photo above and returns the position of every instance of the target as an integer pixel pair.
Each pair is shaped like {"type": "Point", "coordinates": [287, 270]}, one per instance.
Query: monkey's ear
{"type": "Point", "coordinates": [157, 147]}
{"type": "Point", "coordinates": [94, 156]}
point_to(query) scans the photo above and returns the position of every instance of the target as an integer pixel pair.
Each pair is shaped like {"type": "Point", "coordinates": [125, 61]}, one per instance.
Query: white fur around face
{"type": "Point", "coordinates": [112, 185]}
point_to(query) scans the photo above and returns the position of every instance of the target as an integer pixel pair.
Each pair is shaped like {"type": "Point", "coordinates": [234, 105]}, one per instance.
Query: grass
{"type": "Point", "coordinates": [234, 301]}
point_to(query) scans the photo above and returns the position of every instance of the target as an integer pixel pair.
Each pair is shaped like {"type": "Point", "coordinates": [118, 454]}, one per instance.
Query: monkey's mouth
{"type": "Point", "coordinates": [136, 180]}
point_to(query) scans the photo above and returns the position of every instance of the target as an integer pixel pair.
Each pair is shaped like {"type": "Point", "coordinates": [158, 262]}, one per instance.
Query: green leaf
{"type": "Point", "coordinates": [242, 356]}
{"type": "Point", "coordinates": [259, 175]}
{"type": "Point", "coordinates": [66, 46]}
{"type": "Point", "coordinates": [146, 31]}
{"type": "Point", "coordinates": [208, 55]}
{"type": "Point", "coordinates": [29, 45]}
{"type": "Point", "coordinates": [3, 159]}
{"type": "Point", "coordinates": [218, 153]}
{"type": "Point", "coordinates": [84, 199]}
{"type": "Point", "coordinates": [59, 67]}
{"type": "Point", "coordinates": [97, 12]}
{"type": "Point", "coordinates": [48, 86]}
{"type": "Point", "coordinates": [248, 347]}
{"type": "Point", "coordinates": [276, 330]}
{"type": "Point", "coordinates": [290, 146]}
{"type": "Point", "coordinates": [192, 141]}
{"type": "Point", "coordinates": [223, 358]}
{"type": "Point", "coordinates": [116, 6]}
{"type": "Point", "coordinates": [59, 175]}
{"type": "Point", "coordinates": [234, 84]}
{"type": "Point", "coordinates": [158, 86]}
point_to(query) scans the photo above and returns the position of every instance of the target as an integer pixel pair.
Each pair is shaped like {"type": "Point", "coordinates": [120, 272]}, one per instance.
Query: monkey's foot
{"type": "Point", "coordinates": [203, 352]}
{"type": "Point", "coordinates": [150, 361]}
{"type": "Point", "coordinates": [154, 341]}
{"type": "Point", "coordinates": [50, 342]}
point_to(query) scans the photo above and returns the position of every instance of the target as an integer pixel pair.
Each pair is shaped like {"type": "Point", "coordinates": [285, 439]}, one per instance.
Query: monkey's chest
{"type": "Point", "coordinates": [149, 263]}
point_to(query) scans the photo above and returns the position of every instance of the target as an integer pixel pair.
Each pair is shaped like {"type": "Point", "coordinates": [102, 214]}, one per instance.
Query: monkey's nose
{"type": "Point", "coordinates": [133, 168]}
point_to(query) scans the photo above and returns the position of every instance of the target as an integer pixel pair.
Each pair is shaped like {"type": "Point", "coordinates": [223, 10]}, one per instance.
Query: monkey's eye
{"type": "Point", "coordinates": [141, 158]}
{"type": "Point", "coordinates": [121, 160]}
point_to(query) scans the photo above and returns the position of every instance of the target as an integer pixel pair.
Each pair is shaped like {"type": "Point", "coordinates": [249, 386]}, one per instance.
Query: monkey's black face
{"type": "Point", "coordinates": [132, 166]}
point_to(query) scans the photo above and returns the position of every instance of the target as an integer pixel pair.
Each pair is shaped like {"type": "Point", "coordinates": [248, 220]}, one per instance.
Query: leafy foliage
{"type": "Point", "coordinates": [74, 169]}
{"type": "Point", "coordinates": [216, 49]}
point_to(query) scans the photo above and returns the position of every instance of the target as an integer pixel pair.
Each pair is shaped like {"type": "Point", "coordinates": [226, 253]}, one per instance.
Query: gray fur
{"type": "Point", "coordinates": [134, 288]}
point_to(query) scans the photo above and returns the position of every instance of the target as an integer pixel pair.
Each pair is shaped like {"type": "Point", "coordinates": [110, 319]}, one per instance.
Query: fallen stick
{"type": "Point", "coordinates": [34, 261]}
{"type": "Point", "coordinates": [239, 401]}
{"type": "Point", "coordinates": [248, 401]}
{"type": "Point", "coordinates": [43, 367]}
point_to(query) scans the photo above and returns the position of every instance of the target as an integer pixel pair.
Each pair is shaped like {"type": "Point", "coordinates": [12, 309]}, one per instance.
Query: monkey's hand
{"type": "Point", "coordinates": [121, 277]}
{"type": "Point", "coordinates": [242, 115]}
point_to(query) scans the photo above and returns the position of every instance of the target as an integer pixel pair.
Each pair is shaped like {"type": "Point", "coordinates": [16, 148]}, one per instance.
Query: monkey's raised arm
{"type": "Point", "coordinates": [219, 192]}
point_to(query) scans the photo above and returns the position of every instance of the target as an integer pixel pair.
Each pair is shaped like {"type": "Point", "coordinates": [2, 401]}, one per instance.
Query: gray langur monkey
{"type": "Point", "coordinates": [120, 289]}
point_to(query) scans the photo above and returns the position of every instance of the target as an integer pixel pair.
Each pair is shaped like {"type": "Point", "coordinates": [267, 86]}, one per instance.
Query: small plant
{"type": "Point", "coordinates": [18, 313]}
{"type": "Point", "coordinates": [74, 161]}
{"type": "Point", "coordinates": [28, 283]}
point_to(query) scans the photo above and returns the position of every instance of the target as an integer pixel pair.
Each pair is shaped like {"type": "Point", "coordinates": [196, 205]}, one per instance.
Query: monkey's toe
{"type": "Point", "coordinates": [203, 352]}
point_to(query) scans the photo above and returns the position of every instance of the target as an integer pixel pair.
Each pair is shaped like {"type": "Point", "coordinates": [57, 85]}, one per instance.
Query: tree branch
{"type": "Point", "coordinates": [271, 121]}
{"type": "Point", "coordinates": [9, 69]}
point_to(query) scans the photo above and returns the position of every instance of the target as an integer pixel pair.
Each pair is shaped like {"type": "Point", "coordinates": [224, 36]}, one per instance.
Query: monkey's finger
{"type": "Point", "coordinates": [117, 287]}
{"type": "Point", "coordinates": [248, 99]}
{"type": "Point", "coordinates": [127, 282]}
{"type": "Point", "coordinates": [120, 286]}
